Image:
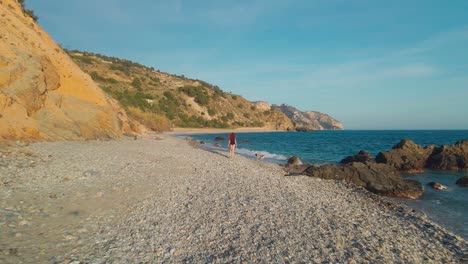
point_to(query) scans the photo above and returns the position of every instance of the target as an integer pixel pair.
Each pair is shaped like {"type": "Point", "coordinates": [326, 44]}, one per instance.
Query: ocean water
{"type": "Point", "coordinates": [449, 208]}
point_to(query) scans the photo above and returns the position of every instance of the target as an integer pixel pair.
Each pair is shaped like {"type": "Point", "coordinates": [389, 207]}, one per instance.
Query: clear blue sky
{"type": "Point", "coordinates": [370, 64]}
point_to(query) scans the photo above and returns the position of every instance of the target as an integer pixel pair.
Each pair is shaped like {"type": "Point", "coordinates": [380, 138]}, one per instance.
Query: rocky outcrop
{"type": "Point", "coordinates": [382, 175]}
{"type": "Point", "coordinates": [406, 156]}
{"type": "Point", "coordinates": [377, 178]}
{"type": "Point", "coordinates": [463, 181]}
{"type": "Point", "coordinates": [310, 120]}
{"type": "Point", "coordinates": [262, 106]}
{"type": "Point", "coordinates": [43, 94]}
{"type": "Point", "coordinates": [362, 156]}
{"type": "Point", "coordinates": [410, 157]}
{"type": "Point", "coordinates": [446, 157]}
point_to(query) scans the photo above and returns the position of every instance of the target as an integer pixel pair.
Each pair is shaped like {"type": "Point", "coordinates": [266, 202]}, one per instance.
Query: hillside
{"type": "Point", "coordinates": [43, 94]}
{"type": "Point", "coordinates": [309, 120]}
{"type": "Point", "coordinates": [160, 100]}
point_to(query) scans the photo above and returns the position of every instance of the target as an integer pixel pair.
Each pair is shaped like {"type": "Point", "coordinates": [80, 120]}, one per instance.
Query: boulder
{"type": "Point", "coordinates": [463, 181]}
{"type": "Point", "coordinates": [295, 169]}
{"type": "Point", "coordinates": [217, 145]}
{"type": "Point", "coordinates": [362, 156]}
{"type": "Point", "coordinates": [220, 139]}
{"type": "Point", "coordinates": [294, 161]}
{"type": "Point", "coordinates": [450, 157]}
{"type": "Point", "coordinates": [375, 177]}
{"type": "Point", "coordinates": [437, 186]}
{"type": "Point", "coordinates": [406, 156]}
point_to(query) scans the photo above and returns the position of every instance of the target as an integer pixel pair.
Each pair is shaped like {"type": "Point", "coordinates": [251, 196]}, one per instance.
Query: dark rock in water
{"type": "Point", "coordinates": [362, 156]}
{"type": "Point", "coordinates": [302, 129]}
{"type": "Point", "coordinates": [437, 186]}
{"type": "Point", "coordinates": [245, 141]}
{"type": "Point", "coordinates": [220, 139]}
{"type": "Point", "coordinates": [375, 177]}
{"type": "Point", "coordinates": [294, 161]}
{"type": "Point", "coordinates": [463, 181]}
{"type": "Point", "coordinates": [202, 142]}
{"type": "Point", "coordinates": [217, 145]}
{"type": "Point", "coordinates": [406, 156]}
{"type": "Point", "coordinates": [447, 157]}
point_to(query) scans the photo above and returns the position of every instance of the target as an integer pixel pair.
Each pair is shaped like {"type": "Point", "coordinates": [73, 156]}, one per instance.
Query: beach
{"type": "Point", "coordinates": [162, 199]}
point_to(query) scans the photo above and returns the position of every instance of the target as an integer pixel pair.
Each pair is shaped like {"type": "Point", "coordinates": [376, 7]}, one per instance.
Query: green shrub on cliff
{"type": "Point", "coordinates": [198, 93]}
{"type": "Point", "coordinates": [28, 12]}
{"type": "Point", "coordinates": [137, 83]}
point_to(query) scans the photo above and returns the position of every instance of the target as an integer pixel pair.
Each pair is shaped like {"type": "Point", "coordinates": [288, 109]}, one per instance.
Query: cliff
{"type": "Point", "coordinates": [43, 94]}
{"type": "Point", "coordinates": [309, 120]}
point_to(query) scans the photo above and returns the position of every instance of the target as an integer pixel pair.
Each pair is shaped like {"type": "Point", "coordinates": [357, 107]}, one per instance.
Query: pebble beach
{"type": "Point", "coordinates": [160, 199]}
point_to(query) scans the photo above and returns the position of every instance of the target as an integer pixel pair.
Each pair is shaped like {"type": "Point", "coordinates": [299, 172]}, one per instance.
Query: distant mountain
{"type": "Point", "coordinates": [309, 120]}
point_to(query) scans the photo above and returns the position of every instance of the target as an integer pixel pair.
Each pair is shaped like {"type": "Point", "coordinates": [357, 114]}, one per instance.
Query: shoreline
{"type": "Point", "coordinates": [188, 131]}
{"type": "Point", "coordinates": [115, 201]}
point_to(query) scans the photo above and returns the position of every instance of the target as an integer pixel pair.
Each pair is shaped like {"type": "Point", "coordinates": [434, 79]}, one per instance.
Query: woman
{"type": "Point", "coordinates": [232, 144]}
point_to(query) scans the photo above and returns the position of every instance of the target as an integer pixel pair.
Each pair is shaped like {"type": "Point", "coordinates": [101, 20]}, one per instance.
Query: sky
{"type": "Point", "coordinates": [370, 64]}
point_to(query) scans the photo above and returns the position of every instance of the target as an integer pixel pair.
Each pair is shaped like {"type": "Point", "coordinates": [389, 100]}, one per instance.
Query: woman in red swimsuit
{"type": "Point", "coordinates": [232, 143]}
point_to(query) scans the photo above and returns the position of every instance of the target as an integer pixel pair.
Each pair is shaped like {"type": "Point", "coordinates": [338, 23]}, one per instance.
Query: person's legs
{"type": "Point", "coordinates": [231, 150]}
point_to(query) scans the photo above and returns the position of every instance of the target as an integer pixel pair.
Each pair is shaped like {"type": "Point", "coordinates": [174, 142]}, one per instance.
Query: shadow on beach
{"type": "Point", "coordinates": [224, 154]}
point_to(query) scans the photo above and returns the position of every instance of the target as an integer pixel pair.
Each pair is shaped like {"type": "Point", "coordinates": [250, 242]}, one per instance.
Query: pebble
{"type": "Point", "coordinates": [183, 204]}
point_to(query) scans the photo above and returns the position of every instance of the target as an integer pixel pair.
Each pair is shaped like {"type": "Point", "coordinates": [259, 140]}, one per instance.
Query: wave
{"type": "Point", "coordinates": [247, 152]}
{"type": "Point", "coordinates": [266, 154]}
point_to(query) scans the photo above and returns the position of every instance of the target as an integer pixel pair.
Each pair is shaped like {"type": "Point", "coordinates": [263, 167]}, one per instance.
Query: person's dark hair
{"type": "Point", "coordinates": [232, 137]}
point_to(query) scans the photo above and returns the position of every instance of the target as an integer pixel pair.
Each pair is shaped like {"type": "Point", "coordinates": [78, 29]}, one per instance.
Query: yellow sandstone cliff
{"type": "Point", "coordinates": [43, 94]}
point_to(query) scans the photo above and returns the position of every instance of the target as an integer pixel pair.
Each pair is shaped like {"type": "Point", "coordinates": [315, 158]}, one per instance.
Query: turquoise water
{"type": "Point", "coordinates": [449, 207]}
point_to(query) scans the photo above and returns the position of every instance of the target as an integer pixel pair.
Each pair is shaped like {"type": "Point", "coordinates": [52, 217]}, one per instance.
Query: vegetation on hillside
{"type": "Point", "coordinates": [28, 12]}
{"type": "Point", "coordinates": [161, 100]}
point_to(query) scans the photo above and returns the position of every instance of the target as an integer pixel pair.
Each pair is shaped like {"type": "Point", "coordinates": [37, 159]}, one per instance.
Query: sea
{"type": "Point", "coordinates": [449, 208]}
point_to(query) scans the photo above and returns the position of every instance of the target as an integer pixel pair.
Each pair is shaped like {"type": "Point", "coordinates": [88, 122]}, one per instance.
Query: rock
{"type": "Point", "coordinates": [437, 186]}
{"type": "Point", "coordinates": [294, 161]}
{"type": "Point", "coordinates": [91, 173]}
{"type": "Point", "coordinates": [406, 156]}
{"type": "Point", "coordinates": [220, 139]}
{"type": "Point", "coordinates": [375, 177]}
{"type": "Point", "coordinates": [217, 145]}
{"type": "Point", "coordinates": [362, 156]}
{"type": "Point", "coordinates": [448, 157]}
{"type": "Point", "coordinates": [295, 169]}
{"type": "Point", "coordinates": [463, 181]}
{"type": "Point", "coordinates": [302, 129]}
{"type": "Point", "coordinates": [202, 142]}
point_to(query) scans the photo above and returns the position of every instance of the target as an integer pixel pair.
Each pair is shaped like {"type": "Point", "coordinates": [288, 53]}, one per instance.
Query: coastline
{"type": "Point", "coordinates": [116, 201]}
{"type": "Point", "coordinates": [188, 131]}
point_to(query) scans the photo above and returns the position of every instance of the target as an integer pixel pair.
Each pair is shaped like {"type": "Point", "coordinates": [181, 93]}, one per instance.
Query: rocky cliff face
{"type": "Point", "coordinates": [309, 120]}
{"type": "Point", "coordinates": [43, 94]}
